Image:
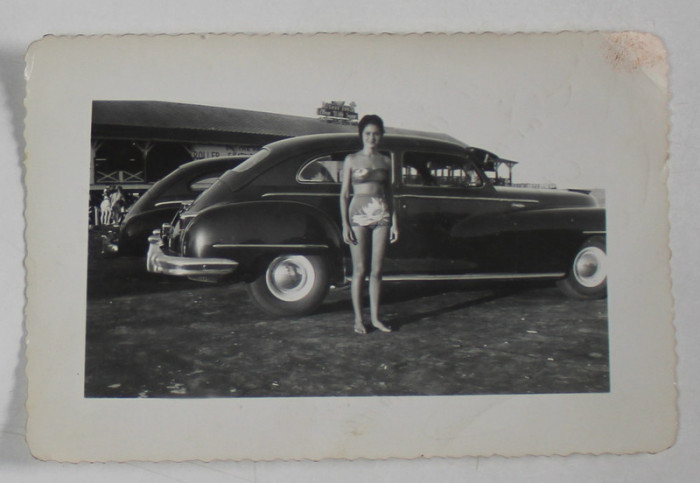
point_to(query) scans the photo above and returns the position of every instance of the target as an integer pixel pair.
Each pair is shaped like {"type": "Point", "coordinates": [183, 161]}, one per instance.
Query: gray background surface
{"type": "Point", "coordinates": [23, 22]}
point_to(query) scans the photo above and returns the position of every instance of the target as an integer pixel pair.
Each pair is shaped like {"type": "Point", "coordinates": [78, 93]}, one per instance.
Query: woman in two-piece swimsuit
{"type": "Point", "coordinates": [369, 219]}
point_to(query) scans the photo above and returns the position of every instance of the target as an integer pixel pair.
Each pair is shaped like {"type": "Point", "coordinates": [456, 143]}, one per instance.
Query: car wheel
{"type": "Point", "coordinates": [291, 285]}
{"type": "Point", "coordinates": [588, 276]}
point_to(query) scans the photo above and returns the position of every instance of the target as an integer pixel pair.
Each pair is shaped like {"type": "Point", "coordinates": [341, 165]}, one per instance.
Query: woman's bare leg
{"type": "Point", "coordinates": [380, 238]}
{"type": "Point", "coordinates": [358, 252]}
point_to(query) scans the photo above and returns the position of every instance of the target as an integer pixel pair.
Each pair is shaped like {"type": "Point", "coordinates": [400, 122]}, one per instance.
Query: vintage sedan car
{"type": "Point", "coordinates": [274, 223]}
{"type": "Point", "coordinates": [162, 201]}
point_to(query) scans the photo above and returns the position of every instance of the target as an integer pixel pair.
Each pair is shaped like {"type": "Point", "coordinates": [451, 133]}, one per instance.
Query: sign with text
{"type": "Point", "coordinates": [201, 151]}
{"type": "Point", "coordinates": [338, 110]}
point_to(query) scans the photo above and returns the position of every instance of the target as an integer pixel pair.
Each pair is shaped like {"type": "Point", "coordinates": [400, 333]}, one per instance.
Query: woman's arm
{"type": "Point", "coordinates": [394, 233]}
{"type": "Point", "coordinates": [348, 234]}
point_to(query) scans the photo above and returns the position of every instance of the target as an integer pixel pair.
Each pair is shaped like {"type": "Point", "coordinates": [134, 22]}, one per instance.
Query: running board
{"type": "Point", "coordinates": [469, 276]}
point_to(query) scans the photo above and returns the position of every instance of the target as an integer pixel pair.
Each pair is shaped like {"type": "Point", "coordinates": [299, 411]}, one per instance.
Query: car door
{"type": "Point", "coordinates": [443, 203]}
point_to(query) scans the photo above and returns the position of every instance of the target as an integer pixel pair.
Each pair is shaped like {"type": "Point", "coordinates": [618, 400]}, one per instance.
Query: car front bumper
{"type": "Point", "coordinates": [157, 261]}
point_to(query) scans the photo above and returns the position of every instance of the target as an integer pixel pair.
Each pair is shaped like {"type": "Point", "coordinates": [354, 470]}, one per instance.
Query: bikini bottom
{"type": "Point", "coordinates": [369, 211]}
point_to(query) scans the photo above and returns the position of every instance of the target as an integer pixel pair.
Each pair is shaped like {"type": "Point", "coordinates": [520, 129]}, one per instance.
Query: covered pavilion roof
{"type": "Point", "coordinates": [172, 121]}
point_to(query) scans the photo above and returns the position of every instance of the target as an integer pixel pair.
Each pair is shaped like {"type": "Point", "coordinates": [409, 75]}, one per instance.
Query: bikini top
{"type": "Point", "coordinates": [367, 175]}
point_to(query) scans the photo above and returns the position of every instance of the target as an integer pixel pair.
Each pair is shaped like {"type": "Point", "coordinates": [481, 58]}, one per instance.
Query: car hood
{"type": "Point", "coordinates": [548, 197]}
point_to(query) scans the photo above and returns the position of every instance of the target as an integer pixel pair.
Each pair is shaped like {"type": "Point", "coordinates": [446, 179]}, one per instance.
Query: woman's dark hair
{"type": "Point", "coordinates": [370, 119]}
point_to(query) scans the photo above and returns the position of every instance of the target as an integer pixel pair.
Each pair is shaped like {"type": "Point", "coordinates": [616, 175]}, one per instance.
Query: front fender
{"type": "Point", "coordinates": [535, 240]}
{"type": "Point", "coordinates": [550, 238]}
{"type": "Point", "coordinates": [581, 220]}
{"type": "Point", "coordinates": [253, 232]}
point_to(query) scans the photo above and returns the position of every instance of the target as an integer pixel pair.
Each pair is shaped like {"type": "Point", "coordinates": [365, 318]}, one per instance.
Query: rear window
{"type": "Point", "coordinates": [252, 161]}
{"type": "Point", "coordinates": [204, 182]}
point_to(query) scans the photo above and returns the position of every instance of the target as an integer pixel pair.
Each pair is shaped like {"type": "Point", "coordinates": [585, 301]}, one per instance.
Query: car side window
{"type": "Point", "coordinates": [323, 169]}
{"type": "Point", "coordinates": [439, 170]}
{"type": "Point", "coordinates": [327, 168]}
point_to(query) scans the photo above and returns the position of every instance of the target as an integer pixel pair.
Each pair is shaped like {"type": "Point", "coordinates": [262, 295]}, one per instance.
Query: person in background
{"type": "Point", "coordinates": [117, 202]}
{"type": "Point", "coordinates": [105, 208]}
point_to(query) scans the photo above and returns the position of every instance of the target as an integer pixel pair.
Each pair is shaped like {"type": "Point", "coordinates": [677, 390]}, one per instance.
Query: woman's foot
{"type": "Point", "coordinates": [381, 327]}
{"type": "Point", "coordinates": [360, 328]}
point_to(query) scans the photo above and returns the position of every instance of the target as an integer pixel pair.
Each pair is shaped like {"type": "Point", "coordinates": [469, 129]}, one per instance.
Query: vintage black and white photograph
{"type": "Point", "coordinates": [427, 228]}
{"type": "Point", "coordinates": [238, 253]}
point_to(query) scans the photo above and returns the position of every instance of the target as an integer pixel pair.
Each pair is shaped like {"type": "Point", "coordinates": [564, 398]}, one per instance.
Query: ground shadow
{"type": "Point", "coordinates": [403, 320]}
{"type": "Point", "coordinates": [398, 292]}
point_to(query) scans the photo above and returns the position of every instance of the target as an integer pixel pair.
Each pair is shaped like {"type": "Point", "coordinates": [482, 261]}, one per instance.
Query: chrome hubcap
{"type": "Point", "coordinates": [589, 267]}
{"type": "Point", "coordinates": [290, 278]}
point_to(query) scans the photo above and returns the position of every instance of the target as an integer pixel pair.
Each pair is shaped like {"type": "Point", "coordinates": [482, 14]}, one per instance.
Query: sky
{"type": "Point", "coordinates": [558, 104]}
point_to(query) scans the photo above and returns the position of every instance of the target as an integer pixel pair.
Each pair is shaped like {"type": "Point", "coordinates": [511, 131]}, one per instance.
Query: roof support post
{"type": "Point", "coordinates": [145, 148]}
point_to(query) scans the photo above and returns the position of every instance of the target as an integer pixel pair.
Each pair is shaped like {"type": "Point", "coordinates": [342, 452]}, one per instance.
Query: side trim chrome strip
{"type": "Point", "coordinates": [445, 197]}
{"type": "Point", "coordinates": [470, 276]}
{"type": "Point", "coordinates": [430, 197]}
{"type": "Point", "coordinates": [267, 195]}
{"type": "Point", "coordinates": [595, 232]}
{"type": "Point", "coordinates": [267, 245]}
{"type": "Point", "coordinates": [173, 202]}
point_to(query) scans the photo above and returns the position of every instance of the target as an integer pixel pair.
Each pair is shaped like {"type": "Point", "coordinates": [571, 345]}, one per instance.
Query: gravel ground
{"type": "Point", "coordinates": [158, 336]}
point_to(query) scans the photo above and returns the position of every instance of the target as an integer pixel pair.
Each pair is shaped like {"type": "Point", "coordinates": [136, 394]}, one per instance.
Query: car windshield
{"type": "Point", "coordinates": [253, 161]}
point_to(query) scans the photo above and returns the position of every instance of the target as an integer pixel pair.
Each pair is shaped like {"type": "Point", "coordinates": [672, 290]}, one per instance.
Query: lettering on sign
{"type": "Point", "coordinates": [337, 111]}
{"type": "Point", "coordinates": [200, 151]}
